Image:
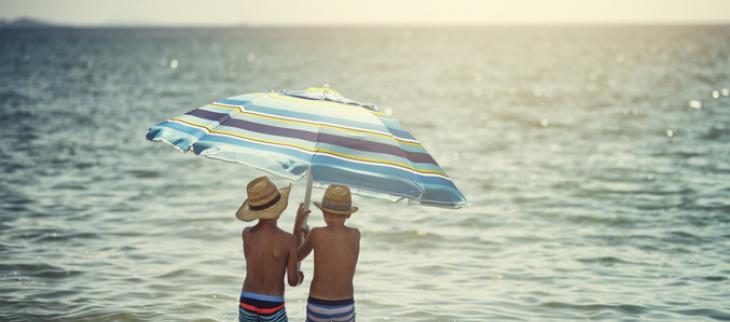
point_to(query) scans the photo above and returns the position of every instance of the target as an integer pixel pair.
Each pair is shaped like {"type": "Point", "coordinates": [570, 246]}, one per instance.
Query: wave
{"type": "Point", "coordinates": [621, 308]}
{"type": "Point", "coordinates": [41, 270]}
{"type": "Point", "coordinates": [605, 261]}
{"type": "Point", "coordinates": [706, 312]}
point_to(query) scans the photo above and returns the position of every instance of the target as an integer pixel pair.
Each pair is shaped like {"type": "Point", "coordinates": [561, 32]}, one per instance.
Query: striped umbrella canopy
{"type": "Point", "coordinates": [316, 133]}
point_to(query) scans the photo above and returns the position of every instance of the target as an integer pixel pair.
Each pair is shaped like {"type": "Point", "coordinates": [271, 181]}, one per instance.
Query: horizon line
{"type": "Point", "coordinates": [379, 25]}
{"type": "Point", "coordinates": [44, 23]}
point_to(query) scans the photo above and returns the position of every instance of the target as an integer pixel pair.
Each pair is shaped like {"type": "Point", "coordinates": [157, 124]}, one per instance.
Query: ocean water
{"type": "Point", "coordinates": [596, 161]}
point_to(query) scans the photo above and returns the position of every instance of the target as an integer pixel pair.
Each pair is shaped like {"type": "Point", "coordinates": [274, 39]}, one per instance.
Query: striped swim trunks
{"type": "Point", "coordinates": [254, 307]}
{"type": "Point", "coordinates": [330, 311]}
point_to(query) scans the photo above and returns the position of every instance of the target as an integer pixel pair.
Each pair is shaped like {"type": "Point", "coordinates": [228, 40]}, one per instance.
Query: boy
{"type": "Point", "coordinates": [336, 249]}
{"type": "Point", "coordinates": [269, 252]}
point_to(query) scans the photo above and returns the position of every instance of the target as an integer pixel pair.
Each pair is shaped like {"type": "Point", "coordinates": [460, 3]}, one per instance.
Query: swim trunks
{"type": "Point", "coordinates": [254, 307]}
{"type": "Point", "coordinates": [330, 311]}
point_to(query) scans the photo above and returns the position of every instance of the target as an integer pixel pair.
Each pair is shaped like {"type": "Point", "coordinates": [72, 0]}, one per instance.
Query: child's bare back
{"type": "Point", "coordinates": [269, 252]}
{"type": "Point", "coordinates": [336, 250]}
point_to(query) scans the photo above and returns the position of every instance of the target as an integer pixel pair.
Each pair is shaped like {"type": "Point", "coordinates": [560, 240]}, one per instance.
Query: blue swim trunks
{"type": "Point", "coordinates": [254, 307]}
{"type": "Point", "coordinates": [330, 311]}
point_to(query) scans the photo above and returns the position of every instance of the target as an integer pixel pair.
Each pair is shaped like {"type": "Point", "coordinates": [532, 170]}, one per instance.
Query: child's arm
{"type": "Point", "coordinates": [293, 274]}
{"type": "Point", "coordinates": [307, 246]}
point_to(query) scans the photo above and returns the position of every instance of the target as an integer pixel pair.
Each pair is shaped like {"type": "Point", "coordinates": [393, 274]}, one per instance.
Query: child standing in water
{"type": "Point", "coordinates": [269, 252]}
{"type": "Point", "coordinates": [336, 249]}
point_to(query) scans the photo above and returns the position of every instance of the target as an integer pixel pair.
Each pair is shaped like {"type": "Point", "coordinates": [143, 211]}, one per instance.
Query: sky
{"type": "Point", "coordinates": [367, 12]}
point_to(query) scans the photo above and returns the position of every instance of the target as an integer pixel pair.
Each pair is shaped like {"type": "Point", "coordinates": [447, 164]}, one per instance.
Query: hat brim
{"type": "Point", "coordinates": [336, 212]}
{"type": "Point", "coordinates": [245, 213]}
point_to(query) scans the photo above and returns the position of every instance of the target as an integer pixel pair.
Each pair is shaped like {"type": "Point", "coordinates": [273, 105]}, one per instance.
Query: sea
{"type": "Point", "coordinates": [595, 159]}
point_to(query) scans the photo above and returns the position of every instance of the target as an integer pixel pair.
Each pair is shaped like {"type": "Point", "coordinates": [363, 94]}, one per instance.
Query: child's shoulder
{"type": "Point", "coordinates": [350, 231]}
{"type": "Point", "coordinates": [318, 231]}
{"type": "Point", "coordinates": [354, 231]}
{"type": "Point", "coordinates": [285, 234]}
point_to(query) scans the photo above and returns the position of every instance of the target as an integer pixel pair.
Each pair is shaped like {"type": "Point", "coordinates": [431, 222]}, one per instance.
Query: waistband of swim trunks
{"type": "Point", "coordinates": [315, 300]}
{"type": "Point", "coordinates": [261, 297]}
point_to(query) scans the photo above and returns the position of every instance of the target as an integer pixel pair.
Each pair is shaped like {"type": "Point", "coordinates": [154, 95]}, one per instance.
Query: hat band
{"type": "Point", "coordinates": [329, 205]}
{"type": "Point", "coordinates": [266, 205]}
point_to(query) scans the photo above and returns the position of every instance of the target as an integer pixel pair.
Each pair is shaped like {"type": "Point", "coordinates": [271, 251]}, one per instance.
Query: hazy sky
{"type": "Point", "coordinates": [264, 12]}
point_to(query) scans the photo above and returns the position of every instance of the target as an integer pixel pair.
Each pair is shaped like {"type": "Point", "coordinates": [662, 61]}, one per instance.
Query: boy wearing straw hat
{"type": "Point", "coordinates": [336, 249]}
{"type": "Point", "coordinates": [269, 252]}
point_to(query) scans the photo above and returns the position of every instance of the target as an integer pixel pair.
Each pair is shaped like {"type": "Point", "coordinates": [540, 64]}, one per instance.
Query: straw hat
{"type": "Point", "coordinates": [337, 200]}
{"type": "Point", "coordinates": [264, 200]}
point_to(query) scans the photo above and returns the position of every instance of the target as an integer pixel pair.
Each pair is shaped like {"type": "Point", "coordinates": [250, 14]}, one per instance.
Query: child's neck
{"type": "Point", "coordinates": [336, 225]}
{"type": "Point", "coordinates": [268, 223]}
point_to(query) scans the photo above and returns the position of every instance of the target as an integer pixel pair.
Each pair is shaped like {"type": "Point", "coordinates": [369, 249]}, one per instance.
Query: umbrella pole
{"type": "Point", "coordinates": [303, 226]}
{"type": "Point", "coordinates": [308, 193]}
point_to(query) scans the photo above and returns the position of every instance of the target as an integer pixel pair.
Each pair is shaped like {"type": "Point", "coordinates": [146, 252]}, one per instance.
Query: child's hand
{"type": "Point", "coordinates": [302, 214]}
{"type": "Point", "coordinates": [305, 231]}
{"type": "Point", "coordinates": [301, 229]}
{"type": "Point", "coordinates": [301, 210]}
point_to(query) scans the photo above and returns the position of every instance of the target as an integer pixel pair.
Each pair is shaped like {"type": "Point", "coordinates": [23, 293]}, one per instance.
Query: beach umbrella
{"type": "Point", "coordinates": [318, 134]}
